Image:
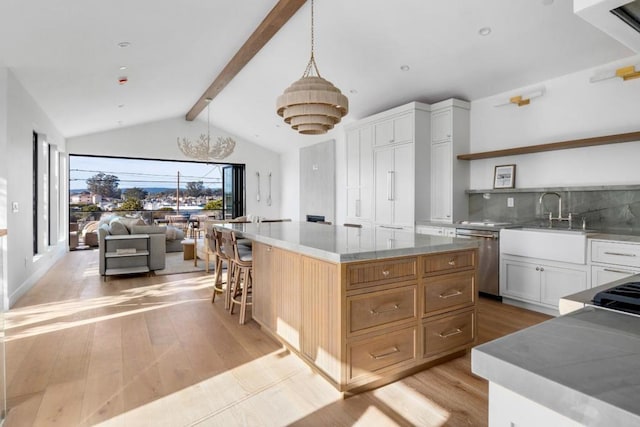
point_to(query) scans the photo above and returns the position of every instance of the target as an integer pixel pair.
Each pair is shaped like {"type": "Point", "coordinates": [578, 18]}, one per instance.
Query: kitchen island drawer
{"type": "Point", "coordinates": [448, 291]}
{"type": "Point", "coordinates": [381, 272]}
{"type": "Point", "coordinates": [448, 333]}
{"type": "Point", "coordinates": [448, 262]}
{"type": "Point", "coordinates": [381, 308]}
{"type": "Point", "coordinates": [370, 355]}
{"type": "Point", "coordinates": [617, 253]}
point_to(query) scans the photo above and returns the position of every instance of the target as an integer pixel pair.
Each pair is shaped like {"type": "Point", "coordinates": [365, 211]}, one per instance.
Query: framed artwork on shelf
{"type": "Point", "coordinates": [504, 176]}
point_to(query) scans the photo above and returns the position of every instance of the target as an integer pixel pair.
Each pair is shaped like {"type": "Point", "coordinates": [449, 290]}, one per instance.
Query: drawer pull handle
{"type": "Point", "coordinates": [393, 351]}
{"type": "Point", "coordinates": [452, 261]}
{"type": "Point", "coordinates": [450, 294]}
{"type": "Point", "coordinates": [619, 254]}
{"type": "Point", "coordinates": [375, 311]}
{"type": "Point", "coordinates": [450, 333]}
{"type": "Point", "coordinates": [611, 270]}
{"type": "Point", "coordinates": [386, 273]}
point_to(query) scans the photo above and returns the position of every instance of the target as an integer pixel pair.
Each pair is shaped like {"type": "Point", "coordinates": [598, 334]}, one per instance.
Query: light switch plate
{"type": "Point", "coordinates": [510, 202]}
{"type": "Point", "coordinates": [14, 207]}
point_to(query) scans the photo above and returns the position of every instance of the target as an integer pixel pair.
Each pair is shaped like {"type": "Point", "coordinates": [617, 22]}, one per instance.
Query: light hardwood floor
{"type": "Point", "coordinates": [154, 351]}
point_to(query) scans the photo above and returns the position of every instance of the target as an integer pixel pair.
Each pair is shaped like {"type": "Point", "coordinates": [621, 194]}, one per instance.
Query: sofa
{"type": "Point", "coordinates": [117, 225]}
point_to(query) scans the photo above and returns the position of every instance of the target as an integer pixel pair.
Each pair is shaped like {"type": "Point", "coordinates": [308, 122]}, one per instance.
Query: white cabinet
{"type": "Point", "coordinates": [541, 282]}
{"type": "Point", "coordinates": [394, 186]}
{"type": "Point", "coordinates": [388, 158]}
{"type": "Point", "coordinates": [449, 176]}
{"type": "Point", "coordinates": [395, 130]}
{"type": "Point", "coordinates": [359, 175]}
{"type": "Point", "coordinates": [441, 182]}
{"type": "Point", "coordinates": [613, 260]}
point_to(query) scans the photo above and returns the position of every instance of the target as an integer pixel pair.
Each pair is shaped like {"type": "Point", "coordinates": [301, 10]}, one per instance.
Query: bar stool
{"type": "Point", "coordinates": [220, 258]}
{"type": "Point", "coordinates": [239, 286]}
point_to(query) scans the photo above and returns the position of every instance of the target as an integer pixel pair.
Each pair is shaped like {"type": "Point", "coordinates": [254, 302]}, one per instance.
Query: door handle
{"type": "Point", "coordinates": [390, 185]}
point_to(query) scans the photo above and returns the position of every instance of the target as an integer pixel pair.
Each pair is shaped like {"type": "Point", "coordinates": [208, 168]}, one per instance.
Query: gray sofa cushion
{"type": "Point", "coordinates": [117, 228]}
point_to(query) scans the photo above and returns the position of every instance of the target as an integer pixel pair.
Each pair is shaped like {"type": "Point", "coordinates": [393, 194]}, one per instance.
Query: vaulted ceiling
{"type": "Point", "coordinates": [66, 54]}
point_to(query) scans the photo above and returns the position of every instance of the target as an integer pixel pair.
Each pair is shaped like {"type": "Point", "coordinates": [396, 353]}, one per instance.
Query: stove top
{"type": "Point", "coordinates": [625, 297]}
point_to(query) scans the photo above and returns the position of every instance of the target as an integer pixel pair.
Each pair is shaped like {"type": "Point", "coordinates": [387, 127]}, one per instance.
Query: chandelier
{"type": "Point", "coordinates": [202, 149]}
{"type": "Point", "coordinates": [312, 105]}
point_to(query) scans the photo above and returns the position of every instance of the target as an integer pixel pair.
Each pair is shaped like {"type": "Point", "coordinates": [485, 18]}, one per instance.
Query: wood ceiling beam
{"type": "Point", "coordinates": [270, 25]}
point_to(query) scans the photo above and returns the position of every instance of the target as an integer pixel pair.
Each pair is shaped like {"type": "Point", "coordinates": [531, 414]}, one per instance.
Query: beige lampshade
{"type": "Point", "coordinates": [312, 105]}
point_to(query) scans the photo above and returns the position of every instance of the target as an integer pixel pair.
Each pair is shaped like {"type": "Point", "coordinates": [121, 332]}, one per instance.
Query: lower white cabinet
{"type": "Point", "coordinates": [612, 260]}
{"type": "Point", "coordinates": [509, 409]}
{"type": "Point", "coordinates": [540, 282]}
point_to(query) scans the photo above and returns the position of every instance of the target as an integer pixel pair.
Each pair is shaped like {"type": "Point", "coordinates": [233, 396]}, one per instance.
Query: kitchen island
{"type": "Point", "coordinates": [363, 306]}
{"type": "Point", "coordinates": [582, 368]}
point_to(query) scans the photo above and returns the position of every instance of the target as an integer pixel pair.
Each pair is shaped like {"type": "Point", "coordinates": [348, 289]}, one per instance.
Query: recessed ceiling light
{"type": "Point", "coordinates": [353, 91]}
{"type": "Point", "coordinates": [484, 31]}
{"type": "Point", "coordinates": [120, 105]}
{"type": "Point", "coordinates": [547, 2]}
{"type": "Point", "coordinates": [124, 44]}
{"type": "Point", "coordinates": [124, 67]}
{"type": "Point", "coordinates": [404, 67]}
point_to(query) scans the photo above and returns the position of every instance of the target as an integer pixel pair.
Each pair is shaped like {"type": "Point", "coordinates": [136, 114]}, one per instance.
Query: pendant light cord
{"type": "Point", "coordinates": [312, 66]}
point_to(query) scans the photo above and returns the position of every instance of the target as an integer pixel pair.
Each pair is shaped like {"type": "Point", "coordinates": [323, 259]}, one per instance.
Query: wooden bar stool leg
{"type": "Point", "coordinates": [217, 279]}
{"type": "Point", "coordinates": [246, 286]}
{"type": "Point", "coordinates": [230, 285]}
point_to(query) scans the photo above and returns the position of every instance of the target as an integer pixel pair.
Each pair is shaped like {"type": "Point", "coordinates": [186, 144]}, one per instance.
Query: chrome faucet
{"type": "Point", "coordinates": [559, 218]}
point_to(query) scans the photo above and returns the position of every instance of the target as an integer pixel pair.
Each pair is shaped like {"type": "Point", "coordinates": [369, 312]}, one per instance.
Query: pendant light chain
{"type": "Point", "coordinates": [312, 60]}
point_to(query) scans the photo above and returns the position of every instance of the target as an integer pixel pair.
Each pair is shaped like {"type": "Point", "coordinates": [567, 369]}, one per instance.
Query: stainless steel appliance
{"type": "Point", "coordinates": [488, 255]}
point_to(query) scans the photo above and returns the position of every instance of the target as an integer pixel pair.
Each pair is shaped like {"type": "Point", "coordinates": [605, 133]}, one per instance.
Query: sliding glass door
{"type": "Point", "coordinates": [233, 191]}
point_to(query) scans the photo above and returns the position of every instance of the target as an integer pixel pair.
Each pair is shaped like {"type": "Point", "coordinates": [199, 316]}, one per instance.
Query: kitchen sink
{"type": "Point", "coordinates": [562, 245]}
{"type": "Point", "coordinates": [559, 230]}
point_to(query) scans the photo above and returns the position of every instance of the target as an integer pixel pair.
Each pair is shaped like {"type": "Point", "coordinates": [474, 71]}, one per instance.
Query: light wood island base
{"type": "Point", "coordinates": [364, 324]}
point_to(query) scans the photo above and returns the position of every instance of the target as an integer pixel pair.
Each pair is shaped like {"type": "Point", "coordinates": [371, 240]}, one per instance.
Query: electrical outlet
{"type": "Point", "coordinates": [510, 202]}
{"type": "Point", "coordinates": [15, 207]}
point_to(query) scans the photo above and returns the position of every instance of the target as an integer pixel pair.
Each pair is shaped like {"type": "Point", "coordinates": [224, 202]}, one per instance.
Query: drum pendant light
{"type": "Point", "coordinates": [312, 105]}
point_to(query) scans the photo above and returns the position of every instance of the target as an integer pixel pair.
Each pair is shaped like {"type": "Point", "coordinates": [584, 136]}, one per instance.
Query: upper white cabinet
{"type": "Point", "coordinates": [388, 157]}
{"type": "Point", "coordinates": [360, 175]}
{"type": "Point", "coordinates": [395, 130]}
{"type": "Point", "coordinates": [449, 176]}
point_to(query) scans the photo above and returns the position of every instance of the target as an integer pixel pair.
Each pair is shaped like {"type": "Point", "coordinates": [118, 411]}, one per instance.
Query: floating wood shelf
{"type": "Point", "coordinates": [564, 145]}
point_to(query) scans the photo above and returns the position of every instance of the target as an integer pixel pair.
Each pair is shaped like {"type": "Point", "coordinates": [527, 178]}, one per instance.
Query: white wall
{"type": "Point", "coordinates": [571, 108]}
{"type": "Point", "coordinates": [158, 140]}
{"type": "Point", "coordinates": [23, 117]}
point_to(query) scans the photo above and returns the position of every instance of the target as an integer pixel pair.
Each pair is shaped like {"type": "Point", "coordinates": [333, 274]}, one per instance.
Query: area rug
{"type": "Point", "coordinates": [175, 264]}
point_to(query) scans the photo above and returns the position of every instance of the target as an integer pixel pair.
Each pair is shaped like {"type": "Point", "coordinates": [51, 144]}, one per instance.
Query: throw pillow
{"type": "Point", "coordinates": [117, 228]}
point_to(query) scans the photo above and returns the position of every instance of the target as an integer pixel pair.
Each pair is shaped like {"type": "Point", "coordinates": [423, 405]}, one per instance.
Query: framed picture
{"type": "Point", "coordinates": [505, 176]}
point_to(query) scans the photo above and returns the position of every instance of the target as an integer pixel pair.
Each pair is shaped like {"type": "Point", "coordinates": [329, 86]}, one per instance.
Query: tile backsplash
{"type": "Point", "coordinates": [617, 208]}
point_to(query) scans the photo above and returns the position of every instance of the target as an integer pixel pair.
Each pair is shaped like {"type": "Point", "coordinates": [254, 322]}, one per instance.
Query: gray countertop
{"type": "Point", "coordinates": [584, 365]}
{"type": "Point", "coordinates": [337, 243]}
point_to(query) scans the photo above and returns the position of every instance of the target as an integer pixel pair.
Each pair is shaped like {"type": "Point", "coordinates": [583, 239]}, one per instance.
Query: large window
{"type": "Point", "coordinates": [152, 188]}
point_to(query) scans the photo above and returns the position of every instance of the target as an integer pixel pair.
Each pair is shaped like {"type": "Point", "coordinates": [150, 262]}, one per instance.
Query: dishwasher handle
{"type": "Point", "coordinates": [494, 236]}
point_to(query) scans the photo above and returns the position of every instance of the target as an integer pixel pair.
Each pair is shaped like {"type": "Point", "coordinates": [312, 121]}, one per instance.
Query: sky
{"type": "Point", "coordinates": [142, 173]}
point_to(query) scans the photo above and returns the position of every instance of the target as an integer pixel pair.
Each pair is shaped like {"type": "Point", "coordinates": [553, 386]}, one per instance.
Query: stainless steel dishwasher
{"type": "Point", "coordinates": [488, 259]}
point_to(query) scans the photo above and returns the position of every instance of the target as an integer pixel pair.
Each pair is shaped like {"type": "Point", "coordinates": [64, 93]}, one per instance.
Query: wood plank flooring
{"type": "Point", "coordinates": [154, 351]}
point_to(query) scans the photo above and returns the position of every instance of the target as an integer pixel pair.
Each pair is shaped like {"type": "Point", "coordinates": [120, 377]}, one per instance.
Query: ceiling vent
{"type": "Point", "coordinates": [619, 19]}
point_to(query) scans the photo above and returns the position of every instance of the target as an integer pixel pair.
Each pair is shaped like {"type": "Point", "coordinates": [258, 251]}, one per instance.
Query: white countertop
{"type": "Point", "coordinates": [584, 365]}
{"type": "Point", "coordinates": [337, 243]}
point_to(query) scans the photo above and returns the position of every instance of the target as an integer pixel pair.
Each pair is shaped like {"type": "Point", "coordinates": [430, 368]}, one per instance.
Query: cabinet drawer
{"type": "Point", "coordinates": [452, 261]}
{"type": "Point", "coordinates": [601, 275]}
{"type": "Point", "coordinates": [378, 273]}
{"type": "Point", "coordinates": [371, 355]}
{"type": "Point", "coordinates": [615, 253]}
{"type": "Point", "coordinates": [383, 307]}
{"type": "Point", "coordinates": [448, 333]}
{"type": "Point", "coordinates": [442, 292]}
